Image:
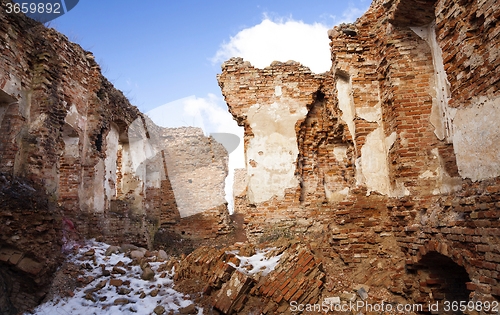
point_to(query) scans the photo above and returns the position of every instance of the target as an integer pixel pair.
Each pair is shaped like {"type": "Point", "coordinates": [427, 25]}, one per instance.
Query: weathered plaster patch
{"type": "Point", "coordinates": [346, 104]}
{"type": "Point", "coordinates": [274, 135]}
{"type": "Point", "coordinates": [154, 177]}
{"type": "Point", "coordinates": [477, 139]}
{"type": "Point", "coordinates": [372, 168]}
{"type": "Point", "coordinates": [336, 196]}
{"type": "Point", "coordinates": [130, 181]}
{"type": "Point", "coordinates": [71, 141]}
{"type": "Point", "coordinates": [14, 93]}
{"type": "Point", "coordinates": [98, 188]}
{"type": "Point", "coordinates": [73, 118]}
{"type": "Point", "coordinates": [277, 91]}
{"type": "Point", "coordinates": [134, 164]}
{"type": "Point", "coordinates": [340, 153]}
{"type": "Point", "coordinates": [444, 183]}
{"type": "Point", "coordinates": [429, 174]}
{"type": "Point", "coordinates": [140, 148]}
{"type": "Point", "coordinates": [441, 115]}
{"type": "Point", "coordinates": [110, 162]}
{"type": "Point", "coordinates": [371, 114]}
{"type": "Point", "coordinates": [13, 87]}
{"type": "Point", "coordinates": [51, 185]}
{"type": "Point", "coordinates": [38, 123]}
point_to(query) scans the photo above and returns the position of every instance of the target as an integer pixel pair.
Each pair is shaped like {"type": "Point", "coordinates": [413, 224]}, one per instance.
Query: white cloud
{"type": "Point", "coordinates": [282, 41]}
{"type": "Point", "coordinates": [212, 113]}
{"type": "Point", "coordinates": [172, 114]}
{"type": "Point", "coordinates": [352, 13]}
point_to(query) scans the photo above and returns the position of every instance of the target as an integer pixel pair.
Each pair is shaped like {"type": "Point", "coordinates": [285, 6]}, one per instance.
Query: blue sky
{"type": "Point", "coordinates": [165, 55]}
{"type": "Point", "coordinates": [161, 51]}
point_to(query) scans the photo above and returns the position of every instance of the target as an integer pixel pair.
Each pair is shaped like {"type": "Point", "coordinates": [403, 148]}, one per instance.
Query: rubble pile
{"type": "Point", "coordinates": [269, 275]}
{"type": "Point", "coordinates": [119, 279]}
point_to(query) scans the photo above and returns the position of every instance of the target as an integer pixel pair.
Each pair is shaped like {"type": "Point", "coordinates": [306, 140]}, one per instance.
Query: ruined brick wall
{"type": "Point", "coordinates": [196, 167]}
{"type": "Point", "coordinates": [240, 191]}
{"type": "Point", "coordinates": [399, 148]}
{"type": "Point", "coordinates": [62, 125]}
{"type": "Point", "coordinates": [462, 226]}
{"type": "Point", "coordinates": [273, 105]}
{"type": "Point", "coordinates": [390, 73]}
{"type": "Point", "coordinates": [58, 114]}
{"type": "Point", "coordinates": [105, 164]}
{"type": "Point", "coordinates": [468, 36]}
{"type": "Point", "coordinates": [98, 167]}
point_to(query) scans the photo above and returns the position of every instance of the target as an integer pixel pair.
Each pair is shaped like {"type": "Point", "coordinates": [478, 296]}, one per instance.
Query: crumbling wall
{"type": "Point", "coordinates": [410, 110]}
{"type": "Point", "coordinates": [105, 164]}
{"type": "Point", "coordinates": [240, 191]}
{"type": "Point", "coordinates": [196, 166]}
{"type": "Point", "coordinates": [294, 141]}
{"type": "Point", "coordinates": [270, 102]}
{"type": "Point", "coordinates": [97, 167]}
{"type": "Point", "coordinates": [471, 61]}
{"type": "Point", "coordinates": [61, 122]}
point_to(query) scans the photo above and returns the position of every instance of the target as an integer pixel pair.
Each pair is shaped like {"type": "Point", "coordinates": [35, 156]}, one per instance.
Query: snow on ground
{"type": "Point", "coordinates": [260, 262]}
{"type": "Point", "coordinates": [107, 299]}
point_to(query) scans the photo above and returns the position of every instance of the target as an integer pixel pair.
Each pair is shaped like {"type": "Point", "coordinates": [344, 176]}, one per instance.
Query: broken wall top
{"type": "Point", "coordinates": [417, 84]}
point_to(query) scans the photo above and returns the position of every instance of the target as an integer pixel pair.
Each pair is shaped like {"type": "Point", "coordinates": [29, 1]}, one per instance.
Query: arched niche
{"type": "Point", "coordinates": [440, 279]}
{"type": "Point", "coordinates": [69, 168]}
{"type": "Point", "coordinates": [71, 141]}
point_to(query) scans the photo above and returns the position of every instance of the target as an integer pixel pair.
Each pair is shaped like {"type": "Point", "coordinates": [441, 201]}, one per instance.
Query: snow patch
{"type": "Point", "coordinates": [260, 262]}
{"type": "Point", "coordinates": [169, 298]}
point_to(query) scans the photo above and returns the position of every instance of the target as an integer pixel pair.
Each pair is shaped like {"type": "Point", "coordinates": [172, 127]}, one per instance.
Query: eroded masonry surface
{"type": "Point", "coordinates": [78, 161]}
{"type": "Point", "coordinates": [395, 150]}
{"type": "Point", "coordinates": [378, 180]}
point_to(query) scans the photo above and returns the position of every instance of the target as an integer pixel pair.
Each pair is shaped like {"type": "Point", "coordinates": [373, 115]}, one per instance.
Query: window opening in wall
{"type": "Point", "coordinates": [99, 140]}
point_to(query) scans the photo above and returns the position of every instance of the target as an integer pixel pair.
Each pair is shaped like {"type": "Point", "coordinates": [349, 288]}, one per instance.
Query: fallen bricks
{"type": "Point", "coordinates": [297, 276]}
